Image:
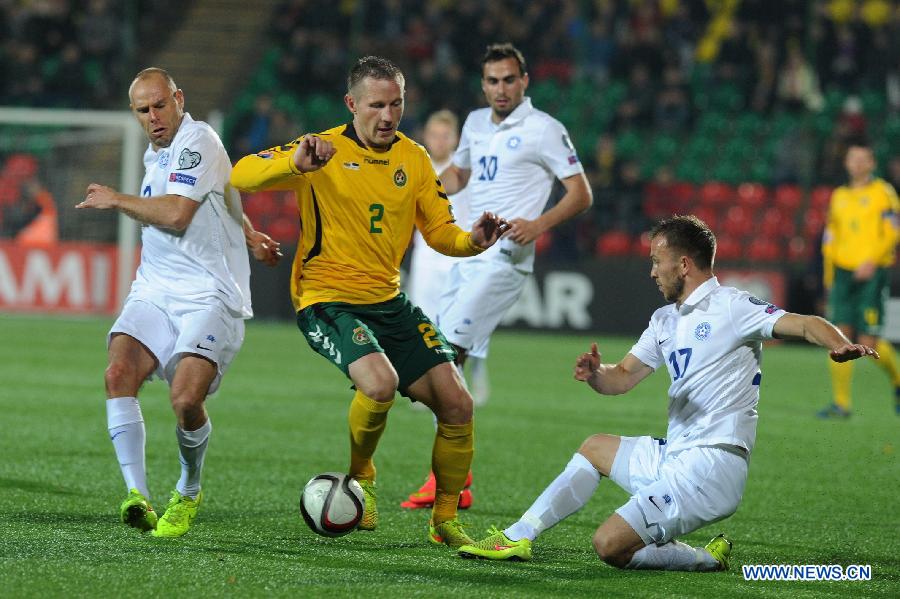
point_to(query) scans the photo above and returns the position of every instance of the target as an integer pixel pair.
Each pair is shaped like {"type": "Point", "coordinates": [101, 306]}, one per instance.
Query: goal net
{"type": "Point", "coordinates": [53, 257]}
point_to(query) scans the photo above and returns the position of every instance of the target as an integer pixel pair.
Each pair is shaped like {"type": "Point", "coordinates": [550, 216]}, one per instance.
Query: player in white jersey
{"type": "Point", "coordinates": [508, 158]}
{"type": "Point", "coordinates": [428, 276]}
{"type": "Point", "coordinates": [710, 341]}
{"type": "Point", "coordinates": [184, 317]}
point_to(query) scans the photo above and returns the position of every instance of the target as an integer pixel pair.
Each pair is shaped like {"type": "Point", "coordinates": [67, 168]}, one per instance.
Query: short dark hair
{"type": "Point", "coordinates": [497, 52]}
{"type": "Point", "coordinates": [690, 235]}
{"type": "Point", "coordinates": [375, 67]}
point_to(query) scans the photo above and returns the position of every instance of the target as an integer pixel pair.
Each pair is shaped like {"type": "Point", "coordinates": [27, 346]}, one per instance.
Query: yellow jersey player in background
{"type": "Point", "coordinates": [858, 249]}
{"type": "Point", "coordinates": [362, 188]}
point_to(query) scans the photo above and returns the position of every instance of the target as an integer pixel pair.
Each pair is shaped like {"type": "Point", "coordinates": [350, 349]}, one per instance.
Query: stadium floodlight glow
{"type": "Point", "coordinates": [133, 142]}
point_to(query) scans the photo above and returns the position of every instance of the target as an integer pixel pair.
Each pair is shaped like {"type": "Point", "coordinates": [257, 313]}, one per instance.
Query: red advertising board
{"type": "Point", "coordinates": [74, 278]}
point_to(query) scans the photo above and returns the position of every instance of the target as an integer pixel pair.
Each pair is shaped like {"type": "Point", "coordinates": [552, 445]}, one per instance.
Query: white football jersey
{"type": "Point", "coordinates": [513, 164]}
{"type": "Point", "coordinates": [208, 261]}
{"type": "Point", "coordinates": [712, 346]}
{"type": "Point", "coordinates": [429, 268]}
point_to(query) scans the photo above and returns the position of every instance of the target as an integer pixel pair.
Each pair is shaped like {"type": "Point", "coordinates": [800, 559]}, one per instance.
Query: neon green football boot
{"type": "Point", "coordinates": [720, 549]}
{"type": "Point", "coordinates": [448, 532]}
{"type": "Point", "coordinates": [136, 511]}
{"type": "Point", "coordinates": [370, 514]}
{"type": "Point", "coordinates": [180, 513]}
{"type": "Point", "coordinates": [498, 546]}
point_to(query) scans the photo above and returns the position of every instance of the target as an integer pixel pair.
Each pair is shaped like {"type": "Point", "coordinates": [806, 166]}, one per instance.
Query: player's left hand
{"type": "Point", "coordinates": [488, 229]}
{"type": "Point", "coordinates": [100, 197]}
{"type": "Point", "coordinates": [523, 231]}
{"type": "Point", "coordinates": [587, 364]}
{"type": "Point", "coordinates": [264, 248]}
{"type": "Point", "coordinates": [852, 351]}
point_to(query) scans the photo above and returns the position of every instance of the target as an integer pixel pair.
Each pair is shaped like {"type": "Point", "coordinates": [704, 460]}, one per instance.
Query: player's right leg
{"type": "Point", "coordinates": [376, 383]}
{"type": "Point", "coordinates": [130, 363]}
{"type": "Point", "coordinates": [344, 336]}
{"type": "Point", "coordinates": [564, 496]}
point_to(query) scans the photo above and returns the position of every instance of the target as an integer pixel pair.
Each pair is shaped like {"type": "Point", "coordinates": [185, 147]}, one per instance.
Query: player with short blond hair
{"type": "Point", "coordinates": [362, 189]}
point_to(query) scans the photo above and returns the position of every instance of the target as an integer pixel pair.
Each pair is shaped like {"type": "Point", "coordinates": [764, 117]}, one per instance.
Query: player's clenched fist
{"type": "Point", "coordinates": [587, 364]}
{"type": "Point", "coordinates": [312, 153]}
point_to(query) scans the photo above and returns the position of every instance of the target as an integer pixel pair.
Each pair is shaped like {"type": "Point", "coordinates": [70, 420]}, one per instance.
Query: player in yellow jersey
{"type": "Point", "coordinates": [362, 188]}
{"type": "Point", "coordinates": [858, 249]}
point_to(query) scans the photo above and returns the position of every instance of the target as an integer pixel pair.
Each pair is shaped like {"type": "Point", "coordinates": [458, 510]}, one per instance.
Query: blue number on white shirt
{"type": "Point", "coordinates": [488, 168]}
{"type": "Point", "coordinates": [674, 358]}
{"type": "Point", "coordinates": [147, 192]}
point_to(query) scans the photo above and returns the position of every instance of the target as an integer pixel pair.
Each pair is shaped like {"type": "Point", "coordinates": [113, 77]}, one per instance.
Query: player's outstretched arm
{"type": "Point", "coordinates": [577, 199]}
{"type": "Point", "coordinates": [488, 229]}
{"type": "Point", "coordinates": [610, 379]}
{"type": "Point", "coordinates": [261, 246]}
{"type": "Point", "coordinates": [169, 211]}
{"type": "Point", "coordinates": [817, 330]}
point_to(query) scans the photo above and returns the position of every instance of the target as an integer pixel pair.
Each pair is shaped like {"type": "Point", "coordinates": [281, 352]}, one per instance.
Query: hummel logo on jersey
{"type": "Point", "coordinates": [188, 159]}
{"type": "Point", "coordinates": [378, 161]}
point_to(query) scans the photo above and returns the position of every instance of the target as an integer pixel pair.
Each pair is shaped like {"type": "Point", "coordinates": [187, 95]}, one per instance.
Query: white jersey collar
{"type": "Point", "coordinates": [699, 294]}
{"type": "Point", "coordinates": [522, 110]}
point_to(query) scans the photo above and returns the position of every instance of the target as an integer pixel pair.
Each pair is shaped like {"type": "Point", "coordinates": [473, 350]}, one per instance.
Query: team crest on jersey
{"type": "Point", "coordinates": [188, 159]}
{"type": "Point", "coordinates": [513, 142]}
{"type": "Point", "coordinates": [399, 177]}
{"type": "Point", "coordinates": [703, 331]}
{"type": "Point", "coordinates": [361, 336]}
{"type": "Point", "coordinates": [163, 159]}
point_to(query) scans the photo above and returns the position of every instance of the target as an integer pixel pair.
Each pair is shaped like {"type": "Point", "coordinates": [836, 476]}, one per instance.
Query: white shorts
{"type": "Point", "coordinates": [428, 277]}
{"type": "Point", "coordinates": [177, 329]}
{"type": "Point", "coordinates": [479, 293]}
{"type": "Point", "coordinates": [676, 494]}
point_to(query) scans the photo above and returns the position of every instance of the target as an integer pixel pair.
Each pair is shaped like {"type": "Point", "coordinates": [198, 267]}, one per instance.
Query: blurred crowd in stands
{"type": "Point", "coordinates": [669, 102]}
{"type": "Point", "coordinates": [59, 53]}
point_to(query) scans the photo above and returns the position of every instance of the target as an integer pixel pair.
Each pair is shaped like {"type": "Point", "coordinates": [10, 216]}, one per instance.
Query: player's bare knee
{"type": "Point", "coordinates": [456, 407]}
{"type": "Point", "coordinates": [381, 386]}
{"type": "Point", "coordinates": [121, 379]}
{"type": "Point", "coordinates": [600, 450]}
{"type": "Point", "coordinates": [609, 552]}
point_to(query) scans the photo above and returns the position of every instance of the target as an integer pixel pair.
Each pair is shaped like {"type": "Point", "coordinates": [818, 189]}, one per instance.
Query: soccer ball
{"type": "Point", "coordinates": [332, 504]}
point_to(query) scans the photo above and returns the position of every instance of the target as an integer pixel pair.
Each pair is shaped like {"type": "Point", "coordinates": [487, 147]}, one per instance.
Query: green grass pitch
{"type": "Point", "coordinates": [819, 492]}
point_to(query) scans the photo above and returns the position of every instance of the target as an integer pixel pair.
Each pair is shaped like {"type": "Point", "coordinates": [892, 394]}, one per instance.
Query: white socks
{"type": "Point", "coordinates": [192, 446]}
{"type": "Point", "coordinates": [674, 555]}
{"type": "Point", "coordinates": [567, 494]}
{"type": "Point", "coordinates": [126, 431]}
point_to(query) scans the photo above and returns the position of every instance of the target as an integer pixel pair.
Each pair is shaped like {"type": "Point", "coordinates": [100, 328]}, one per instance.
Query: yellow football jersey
{"type": "Point", "coordinates": [357, 215]}
{"type": "Point", "coordinates": [862, 226]}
